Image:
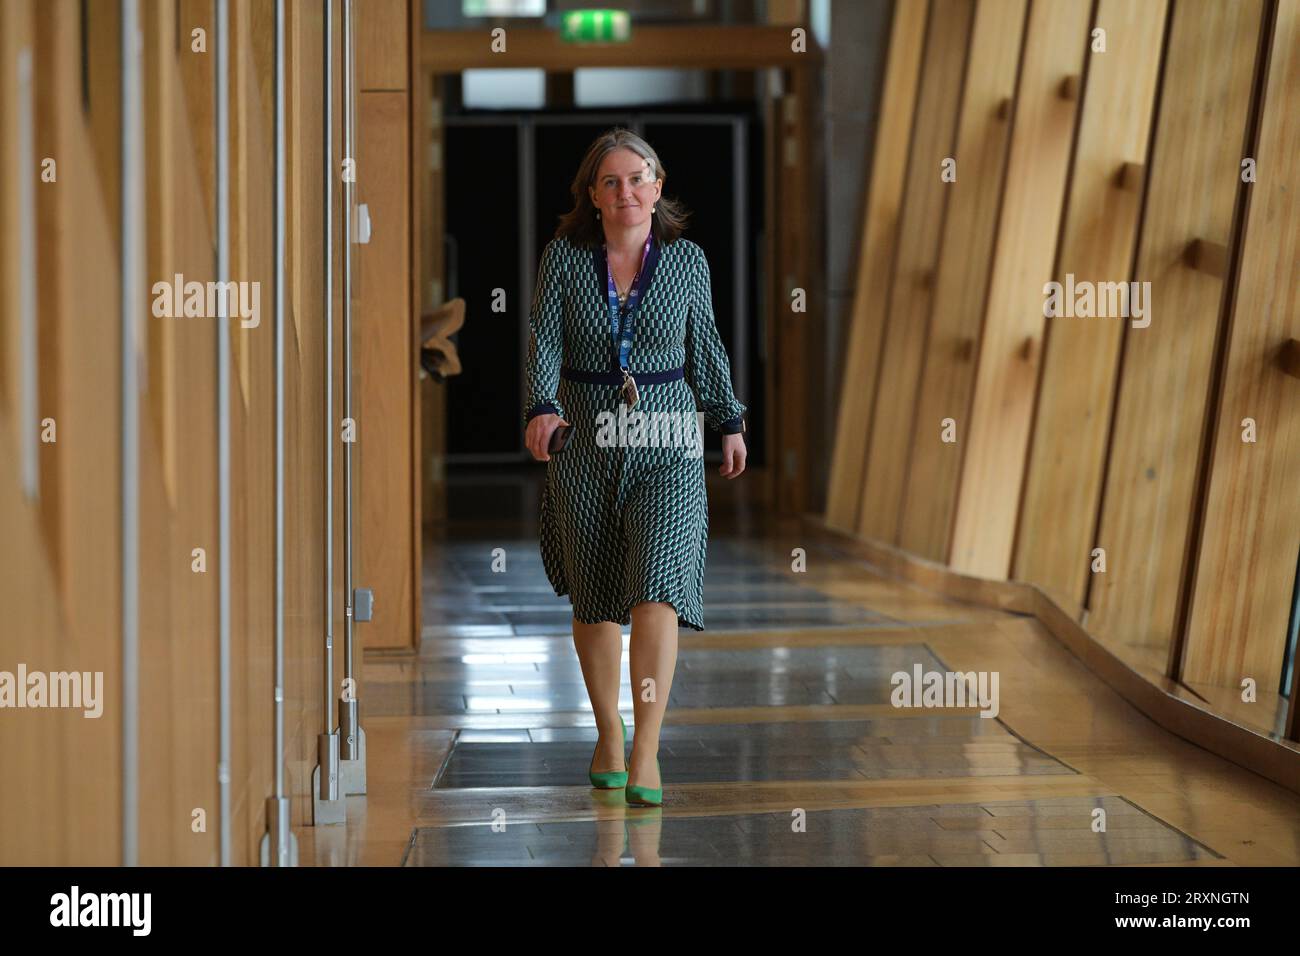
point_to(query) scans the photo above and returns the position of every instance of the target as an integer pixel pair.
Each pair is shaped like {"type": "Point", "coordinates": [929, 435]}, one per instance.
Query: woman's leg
{"type": "Point", "coordinates": [600, 652]}
{"type": "Point", "coordinates": [652, 659]}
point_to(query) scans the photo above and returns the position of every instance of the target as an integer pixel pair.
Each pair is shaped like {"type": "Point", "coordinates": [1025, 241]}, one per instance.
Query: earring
{"type": "Point", "coordinates": [653, 208]}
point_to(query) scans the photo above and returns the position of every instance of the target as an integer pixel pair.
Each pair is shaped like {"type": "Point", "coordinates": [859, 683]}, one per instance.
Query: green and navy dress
{"type": "Point", "coordinates": [626, 522]}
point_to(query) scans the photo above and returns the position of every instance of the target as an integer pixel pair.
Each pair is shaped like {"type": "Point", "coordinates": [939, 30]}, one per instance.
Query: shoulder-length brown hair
{"type": "Point", "coordinates": [580, 225]}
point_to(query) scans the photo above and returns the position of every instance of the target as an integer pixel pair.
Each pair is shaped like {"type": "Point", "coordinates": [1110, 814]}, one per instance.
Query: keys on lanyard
{"type": "Point", "coordinates": [623, 338]}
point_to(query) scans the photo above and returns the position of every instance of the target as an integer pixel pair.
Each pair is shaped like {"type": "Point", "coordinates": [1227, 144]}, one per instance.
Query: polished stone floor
{"type": "Point", "coordinates": [1034, 832]}
{"type": "Point", "coordinates": [771, 677]}
{"type": "Point", "coordinates": [806, 750]}
{"type": "Point", "coordinates": [520, 601]}
{"type": "Point", "coordinates": [781, 745]}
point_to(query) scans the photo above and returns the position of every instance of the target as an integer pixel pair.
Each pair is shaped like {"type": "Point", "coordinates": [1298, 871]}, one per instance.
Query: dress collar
{"type": "Point", "coordinates": [643, 283]}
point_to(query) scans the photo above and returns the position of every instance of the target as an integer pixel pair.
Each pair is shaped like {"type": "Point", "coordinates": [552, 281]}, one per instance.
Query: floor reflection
{"type": "Point", "coordinates": [1043, 832]}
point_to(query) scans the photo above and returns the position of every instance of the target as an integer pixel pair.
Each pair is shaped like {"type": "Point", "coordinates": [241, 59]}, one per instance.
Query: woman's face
{"type": "Point", "coordinates": [626, 188]}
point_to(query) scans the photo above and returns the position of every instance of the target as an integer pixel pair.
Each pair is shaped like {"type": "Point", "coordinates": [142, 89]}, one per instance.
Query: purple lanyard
{"type": "Point", "coordinates": [621, 330]}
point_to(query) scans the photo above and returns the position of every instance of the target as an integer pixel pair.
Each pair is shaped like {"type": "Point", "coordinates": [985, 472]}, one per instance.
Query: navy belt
{"type": "Point", "coordinates": [616, 378]}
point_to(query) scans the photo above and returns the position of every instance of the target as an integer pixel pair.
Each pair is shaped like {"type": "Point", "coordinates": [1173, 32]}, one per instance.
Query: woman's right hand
{"type": "Point", "coordinates": [538, 436]}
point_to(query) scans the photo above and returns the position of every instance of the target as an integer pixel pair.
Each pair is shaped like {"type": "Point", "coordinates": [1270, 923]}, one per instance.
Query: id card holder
{"type": "Point", "coordinates": [630, 394]}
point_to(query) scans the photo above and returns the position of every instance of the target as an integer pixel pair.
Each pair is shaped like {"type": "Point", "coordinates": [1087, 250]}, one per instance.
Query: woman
{"type": "Point", "coordinates": [622, 322]}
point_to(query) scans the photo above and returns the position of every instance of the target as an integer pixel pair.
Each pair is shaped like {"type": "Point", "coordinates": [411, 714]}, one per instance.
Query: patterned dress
{"type": "Point", "coordinates": [624, 516]}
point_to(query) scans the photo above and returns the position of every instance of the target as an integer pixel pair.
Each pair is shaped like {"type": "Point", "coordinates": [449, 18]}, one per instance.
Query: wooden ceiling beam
{"type": "Point", "coordinates": [683, 47]}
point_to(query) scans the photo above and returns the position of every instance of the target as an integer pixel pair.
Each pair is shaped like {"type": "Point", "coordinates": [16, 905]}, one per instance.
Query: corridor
{"type": "Point", "coordinates": [1000, 564]}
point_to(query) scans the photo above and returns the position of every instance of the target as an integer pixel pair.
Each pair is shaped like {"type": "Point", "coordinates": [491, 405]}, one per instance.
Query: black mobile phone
{"type": "Point", "coordinates": [559, 438]}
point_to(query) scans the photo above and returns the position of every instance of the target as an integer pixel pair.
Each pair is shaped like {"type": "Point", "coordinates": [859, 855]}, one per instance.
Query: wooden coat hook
{"type": "Point", "coordinates": [1208, 257]}
{"type": "Point", "coordinates": [1288, 357]}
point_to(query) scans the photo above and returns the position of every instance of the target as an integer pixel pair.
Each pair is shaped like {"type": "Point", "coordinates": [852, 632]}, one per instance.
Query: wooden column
{"type": "Point", "coordinates": [907, 320]}
{"type": "Point", "coordinates": [1067, 453]}
{"type": "Point", "coordinates": [875, 264]}
{"type": "Point", "coordinates": [961, 279]}
{"type": "Point", "coordinates": [1156, 445]}
{"type": "Point", "coordinates": [1006, 377]}
{"type": "Point", "coordinates": [1246, 564]}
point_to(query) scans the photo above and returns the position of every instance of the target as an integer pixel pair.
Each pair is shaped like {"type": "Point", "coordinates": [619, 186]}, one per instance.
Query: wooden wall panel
{"type": "Point", "coordinates": [198, 84]}
{"type": "Point", "coordinates": [24, 736]}
{"type": "Point", "coordinates": [89, 447]}
{"type": "Point", "coordinates": [1006, 377]}
{"type": "Point", "coordinates": [103, 48]}
{"type": "Point", "coordinates": [18, 34]}
{"type": "Point", "coordinates": [178, 637]}
{"type": "Point", "coordinates": [875, 264]}
{"type": "Point", "coordinates": [1058, 515]}
{"type": "Point", "coordinates": [907, 320]}
{"type": "Point", "coordinates": [252, 436]}
{"type": "Point", "coordinates": [57, 99]}
{"type": "Point", "coordinates": [158, 381]}
{"type": "Point", "coordinates": [251, 142]}
{"type": "Point", "coordinates": [338, 246]}
{"type": "Point", "coordinates": [384, 366]}
{"type": "Point", "coordinates": [304, 404]}
{"type": "Point", "coordinates": [383, 45]}
{"type": "Point", "coordinates": [68, 808]}
{"type": "Point", "coordinates": [1155, 455]}
{"type": "Point", "coordinates": [60, 570]}
{"type": "Point", "coordinates": [418, 117]}
{"type": "Point", "coordinates": [1125, 438]}
{"type": "Point", "coordinates": [1245, 572]}
{"type": "Point", "coordinates": [386, 323]}
{"type": "Point", "coordinates": [961, 277]}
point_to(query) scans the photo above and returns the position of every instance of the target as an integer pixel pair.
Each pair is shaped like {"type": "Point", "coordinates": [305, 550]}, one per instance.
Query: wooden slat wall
{"type": "Point", "coordinates": [252, 423]}
{"type": "Point", "coordinates": [961, 280]}
{"type": "Point", "coordinates": [60, 563]}
{"type": "Point", "coordinates": [1058, 515]}
{"type": "Point", "coordinates": [1006, 376]}
{"type": "Point", "coordinates": [908, 317]}
{"type": "Point", "coordinates": [198, 90]}
{"type": "Point", "coordinates": [1155, 455]}
{"type": "Point", "coordinates": [304, 402]}
{"type": "Point", "coordinates": [1246, 557]}
{"type": "Point", "coordinates": [1128, 438]}
{"type": "Point", "coordinates": [178, 607]}
{"type": "Point", "coordinates": [875, 263]}
{"type": "Point", "coordinates": [57, 98]}
{"type": "Point", "coordinates": [19, 34]}
{"type": "Point", "coordinates": [68, 804]}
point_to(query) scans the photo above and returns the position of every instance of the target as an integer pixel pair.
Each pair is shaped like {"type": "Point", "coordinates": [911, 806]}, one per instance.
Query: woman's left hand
{"type": "Point", "coordinates": [733, 455]}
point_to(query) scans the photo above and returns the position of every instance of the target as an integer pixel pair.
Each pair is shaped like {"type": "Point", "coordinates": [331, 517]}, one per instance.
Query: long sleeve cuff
{"type": "Point", "coordinates": [543, 408]}
{"type": "Point", "coordinates": [725, 416]}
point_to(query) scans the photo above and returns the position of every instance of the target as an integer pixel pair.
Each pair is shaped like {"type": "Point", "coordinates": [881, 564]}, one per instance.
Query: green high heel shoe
{"type": "Point", "coordinates": [638, 796]}
{"type": "Point", "coordinates": [610, 779]}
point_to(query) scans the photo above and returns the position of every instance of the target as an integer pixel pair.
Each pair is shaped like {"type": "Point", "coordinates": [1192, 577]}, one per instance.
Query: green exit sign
{"type": "Point", "coordinates": [595, 26]}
